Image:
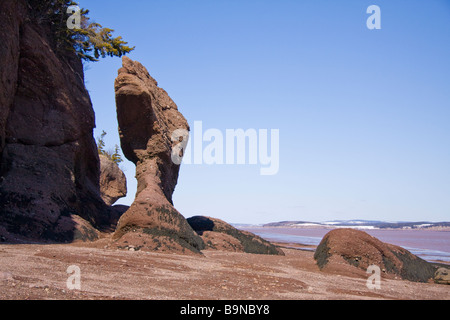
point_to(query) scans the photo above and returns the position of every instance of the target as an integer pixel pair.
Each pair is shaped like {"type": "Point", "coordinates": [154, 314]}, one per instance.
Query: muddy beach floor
{"type": "Point", "coordinates": [39, 272]}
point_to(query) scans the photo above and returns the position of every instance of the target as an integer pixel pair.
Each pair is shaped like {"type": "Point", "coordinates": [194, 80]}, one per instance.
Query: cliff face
{"type": "Point", "coordinates": [49, 165]}
{"type": "Point", "coordinates": [147, 119]}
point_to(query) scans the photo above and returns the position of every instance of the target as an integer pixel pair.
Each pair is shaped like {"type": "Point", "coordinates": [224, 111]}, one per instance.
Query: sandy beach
{"type": "Point", "coordinates": [39, 272]}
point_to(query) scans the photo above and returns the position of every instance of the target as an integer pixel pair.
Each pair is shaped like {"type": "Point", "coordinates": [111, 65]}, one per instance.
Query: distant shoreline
{"type": "Point", "coordinates": [332, 227]}
{"type": "Point", "coordinates": [426, 243]}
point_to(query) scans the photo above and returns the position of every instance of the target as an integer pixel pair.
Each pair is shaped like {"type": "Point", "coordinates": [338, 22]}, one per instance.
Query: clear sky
{"type": "Point", "coordinates": [363, 114]}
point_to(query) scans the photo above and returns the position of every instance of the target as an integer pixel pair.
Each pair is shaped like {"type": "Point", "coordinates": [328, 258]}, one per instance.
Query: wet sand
{"type": "Point", "coordinates": [39, 272]}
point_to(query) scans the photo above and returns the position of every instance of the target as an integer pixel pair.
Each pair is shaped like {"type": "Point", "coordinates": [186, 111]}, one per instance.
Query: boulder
{"type": "Point", "coordinates": [113, 182]}
{"type": "Point", "coordinates": [147, 119]}
{"type": "Point", "coordinates": [49, 165]}
{"type": "Point", "coordinates": [219, 235]}
{"type": "Point", "coordinates": [442, 276]}
{"type": "Point", "coordinates": [344, 251]}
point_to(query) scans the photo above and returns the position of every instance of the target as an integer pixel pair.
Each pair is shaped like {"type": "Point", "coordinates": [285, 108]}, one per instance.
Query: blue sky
{"type": "Point", "coordinates": [363, 114]}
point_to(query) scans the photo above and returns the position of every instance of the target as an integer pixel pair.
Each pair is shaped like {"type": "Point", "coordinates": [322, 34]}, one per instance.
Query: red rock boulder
{"type": "Point", "coordinates": [147, 119]}
{"type": "Point", "coordinates": [349, 251]}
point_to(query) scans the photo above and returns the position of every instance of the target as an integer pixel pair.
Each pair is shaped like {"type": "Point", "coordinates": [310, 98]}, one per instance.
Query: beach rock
{"type": "Point", "coordinates": [49, 165]}
{"type": "Point", "coordinates": [219, 235]}
{"type": "Point", "coordinates": [147, 119]}
{"type": "Point", "coordinates": [113, 182]}
{"type": "Point", "coordinates": [221, 241]}
{"type": "Point", "coordinates": [442, 276]}
{"type": "Point", "coordinates": [344, 251]}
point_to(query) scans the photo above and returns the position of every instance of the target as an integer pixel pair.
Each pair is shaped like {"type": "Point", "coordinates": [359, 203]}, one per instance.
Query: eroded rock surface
{"type": "Point", "coordinates": [113, 182]}
{"type": "Point", "coordinates": [343, 250]}
{"type": "Point", "coordinates": [147, 119]}
{"type": "Point", "coordinates": [49, 166]}
{"type": "Point", "coordinates": [442, 276]}
{"type": "Point", "coordinates": [219, 235]}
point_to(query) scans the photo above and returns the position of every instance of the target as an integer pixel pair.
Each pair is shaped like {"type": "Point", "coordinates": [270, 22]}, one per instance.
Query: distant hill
{"type": "Point", "coordinates": [360, 224]}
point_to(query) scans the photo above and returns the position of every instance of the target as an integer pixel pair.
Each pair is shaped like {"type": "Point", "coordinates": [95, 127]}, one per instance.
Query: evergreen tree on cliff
{"type": "Point", "coordinates": [49, 164]}
{"type": "Point", "coordinates": [73, 30]}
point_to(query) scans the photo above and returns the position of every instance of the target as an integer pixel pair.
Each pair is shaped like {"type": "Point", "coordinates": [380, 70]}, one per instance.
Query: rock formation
{"type": "Point", "coordinates": [220, 235]}
{"type": "Point", "coordinates": [442, 276]}
{"type": "Point", "coordinates": [346, 250]}
{"type": "Point", "coordinates": [49, 166]}
{"type": "Point", "coordinates": [147, 119]}
{"type": "Point", "coordinates": [113, 182]}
